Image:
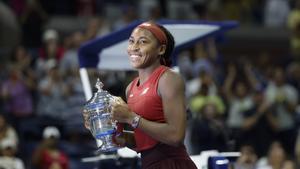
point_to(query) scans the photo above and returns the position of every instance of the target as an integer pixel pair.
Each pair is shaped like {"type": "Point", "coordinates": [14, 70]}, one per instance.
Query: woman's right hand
{"type": "Point", "coordinates": [119, 139]}
{"type": "Point", "coordinates": [121, 112]}
{"type": "Point", "coordinates": [126, 138]}
{"type": "Point", "coordinates": [85, 118]}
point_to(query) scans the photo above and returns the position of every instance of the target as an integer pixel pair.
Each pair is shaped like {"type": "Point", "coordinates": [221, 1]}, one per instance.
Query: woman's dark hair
{"type": "Point", "coordinates": [166, 57]}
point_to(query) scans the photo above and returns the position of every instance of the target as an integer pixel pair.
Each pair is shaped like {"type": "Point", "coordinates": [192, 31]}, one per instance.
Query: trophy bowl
{"type": "Point", "coordinates": [102, 126]}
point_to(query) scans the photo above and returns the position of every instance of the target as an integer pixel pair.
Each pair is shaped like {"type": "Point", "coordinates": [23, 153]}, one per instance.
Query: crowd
{"type": "Point", "coordinates": [246, 104]}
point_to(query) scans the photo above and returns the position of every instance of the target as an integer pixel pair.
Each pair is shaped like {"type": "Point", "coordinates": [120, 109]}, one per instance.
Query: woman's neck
{"type": "Point", "coordinates": [145, 73]}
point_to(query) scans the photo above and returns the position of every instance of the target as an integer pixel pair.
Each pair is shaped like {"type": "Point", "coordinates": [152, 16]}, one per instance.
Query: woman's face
{"type": "Point", "coordinates": [144, 49]}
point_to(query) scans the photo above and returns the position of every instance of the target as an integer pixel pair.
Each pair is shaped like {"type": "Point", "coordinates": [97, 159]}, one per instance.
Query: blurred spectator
{"type": "Point", "coordinates": [238, 96]}
{"type": "Point", "coordinates": [257, 7]}
{"type": "Point", "coordinates": [24, 61]}
{"type": "Point", "coordinates": [8, 158]}
{"type": "Point", "coordinates": [155, 13]}
{"type": "Point", "coordinates": [259, 125]}
{"type": "Point", "coordinates": [203, 97]}
{"type": "Point", "coordinates": [48, 155]}
{"type": "Point", "coordinates": [70, 59]}
{"type": "Point", "coordinates": [194, 86]}
{"type": "Point", "coordinates": [294, 27]}
{"type": "Point", "coordinates": [58, 7]}
{"type": "Point", "coordinates": [208, 132]}
{"type": "Point", "coordinates": [247, 159]}
{"type": "Point", "coordinates": [274, 159]}
{"type": "Point", "coordinates": [51, 51]}
{"type": "Point", "coordinates": [283, 98]}
{"type": "Point", "coordinates": [276, 13]}
{"type": "Point", "coordinates": [202, 67]}
{"type": "Point", "coordinates": [201, 10]}
{"type": "Point", "coordinates": [251, 11]}
{"type": "Point", "coordinates": [22, 58]}
{"type": "Point", "coordinates": [129, 14]}
{"type": "Point", "coordinates": [7, 132]}
{"type": "Point", "coordinates": [75, 98]}
{"type": "Point", "coordinates": [51, 45]}
{"type": "Point", "coordinates": [205, 54]}
{"type": "Point", "coordinates": [3, 77]}
{"type": "Point", "coordinates": [232, 10]}
{"type": "Point", "coordinates": [293, 76]}
{"type": "Point", "coordinates": [297, 149]}
{"type": "Point", "coordinates": [32, 20]}
{"type": "Point", "coordinates": [3, 71]}
{"type": "Point", "coordinates": [69, 68]}
{"type": "Point", "coordinates": [16, 96]}
{"type": "Point", "coordinates": [184, 63]}
{"type": "Point", "coordinates": [208, 10]}
{"type": "Point", "coordinates": [96, 27]}
{"type": "Point", "coordinates": [86, 7]}
{"type": "Point", "coordinates": [262, 66]}
{"type": "Point", "coordinates": [53, 93]}
{"type": "Point", "coordinates": [289, 164]}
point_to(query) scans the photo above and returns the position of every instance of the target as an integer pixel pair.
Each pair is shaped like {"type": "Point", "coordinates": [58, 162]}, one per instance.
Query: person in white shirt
{"type": "Point", "coordinates": [8, 159]}
{"type": "Point", "coordinates": [282, 98]}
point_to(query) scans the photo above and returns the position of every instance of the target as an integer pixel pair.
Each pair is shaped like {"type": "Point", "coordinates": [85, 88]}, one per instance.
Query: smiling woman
{"type": "Point", "coordinates": [155, 105]}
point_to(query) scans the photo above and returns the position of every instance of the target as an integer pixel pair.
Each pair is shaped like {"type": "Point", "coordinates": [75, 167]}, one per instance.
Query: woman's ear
{"type": "Point", "coordinates": [162, 49]}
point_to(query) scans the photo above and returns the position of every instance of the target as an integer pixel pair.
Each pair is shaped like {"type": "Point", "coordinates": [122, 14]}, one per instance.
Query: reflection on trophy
{"type": "Point", "coordinates": [102, 126]}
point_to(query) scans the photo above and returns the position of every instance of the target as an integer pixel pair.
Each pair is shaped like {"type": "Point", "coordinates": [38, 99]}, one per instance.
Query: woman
{"type": "Point", "coordinates": [155, 100]}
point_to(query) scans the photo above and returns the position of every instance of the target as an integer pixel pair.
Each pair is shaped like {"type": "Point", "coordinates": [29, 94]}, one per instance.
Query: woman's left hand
{"type": "Point", "coordinates": [121, 111]}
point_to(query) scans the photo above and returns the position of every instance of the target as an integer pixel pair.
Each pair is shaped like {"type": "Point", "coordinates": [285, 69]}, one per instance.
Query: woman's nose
{"type": "Point", "coordinates": [134, 47]}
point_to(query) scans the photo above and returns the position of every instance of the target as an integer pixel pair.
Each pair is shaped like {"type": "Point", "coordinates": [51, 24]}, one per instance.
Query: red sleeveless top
{"type": "Point", "coordinates": [145, 101]}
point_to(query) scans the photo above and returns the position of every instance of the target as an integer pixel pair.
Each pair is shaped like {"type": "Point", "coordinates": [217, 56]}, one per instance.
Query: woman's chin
{"type": "Point", "coordinates": [135, 65]}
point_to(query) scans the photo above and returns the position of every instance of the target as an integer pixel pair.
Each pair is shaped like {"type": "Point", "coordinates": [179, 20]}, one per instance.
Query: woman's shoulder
{"type": "Point", "coordinates": [171, 75]}
{"type": "Point", "coordinates": [171, 79]}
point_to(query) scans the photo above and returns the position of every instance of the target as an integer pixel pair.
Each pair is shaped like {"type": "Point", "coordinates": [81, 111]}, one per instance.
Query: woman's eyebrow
{"type": "Point", "coordinates": [141, 37]}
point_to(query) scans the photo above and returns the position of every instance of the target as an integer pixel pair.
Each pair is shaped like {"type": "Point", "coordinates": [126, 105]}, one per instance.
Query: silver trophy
{"type": "Point", "coordinates": [102, 126]}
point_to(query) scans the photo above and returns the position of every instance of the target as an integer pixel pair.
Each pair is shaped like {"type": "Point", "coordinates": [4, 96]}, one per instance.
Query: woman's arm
{"type": "Point", "coordinates": [126, 138]}
{"type": "Point", "coordinates": [171, 89]}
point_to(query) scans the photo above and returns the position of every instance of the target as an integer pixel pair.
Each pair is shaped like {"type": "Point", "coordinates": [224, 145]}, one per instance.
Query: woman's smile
{"type": "Point", "coordinates": [135, 57]}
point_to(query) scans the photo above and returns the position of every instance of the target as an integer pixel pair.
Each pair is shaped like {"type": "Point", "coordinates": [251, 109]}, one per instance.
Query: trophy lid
{"type": "Point", "coordinates": [99, 85]}
{"type": "Point", "coordinates": [100, 98]}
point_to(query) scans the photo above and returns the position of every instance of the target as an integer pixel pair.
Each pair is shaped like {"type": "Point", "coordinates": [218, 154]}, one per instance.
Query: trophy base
{"type": "Point", "coordinates": [106, 144]}
{"type": "Point", "coordinates": [107, 149]}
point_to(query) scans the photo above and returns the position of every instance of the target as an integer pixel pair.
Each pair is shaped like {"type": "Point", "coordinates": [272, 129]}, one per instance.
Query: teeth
{"type": "Point", "coordinates": [134, 56]}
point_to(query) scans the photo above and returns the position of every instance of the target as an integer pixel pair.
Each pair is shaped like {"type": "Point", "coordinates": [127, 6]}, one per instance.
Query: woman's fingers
{"type": "Point", "coordinates": [119, 100]}
{"type": "Point", "coordinates": [85, 118]}
{"type": "Point", "coordinates": [87, 124]}
{"type": "Point", "coordinates": [117, 112]}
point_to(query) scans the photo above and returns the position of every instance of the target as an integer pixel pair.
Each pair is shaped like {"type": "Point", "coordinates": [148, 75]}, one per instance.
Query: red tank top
{"type": "Point", "coordinates": [145, 101]}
